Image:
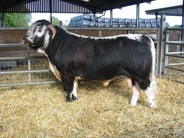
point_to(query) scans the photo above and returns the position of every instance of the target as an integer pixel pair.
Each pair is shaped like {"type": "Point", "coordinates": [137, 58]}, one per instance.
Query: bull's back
{"type": "Point", "coordinates": [113, 57]}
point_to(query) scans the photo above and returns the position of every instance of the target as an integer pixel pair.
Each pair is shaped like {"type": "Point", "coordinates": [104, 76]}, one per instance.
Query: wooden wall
{"type": "Point", "coordinates": [12, 35]}
{"type": "Point", "coordinates": [16, 35]}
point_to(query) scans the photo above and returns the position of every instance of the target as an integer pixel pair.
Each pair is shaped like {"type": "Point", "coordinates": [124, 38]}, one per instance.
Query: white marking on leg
{"type": "Point", "coordinates": [74, 91]}
{"type": "Point", "coordinates": [135, 94]}
{"type": "Point", "coordinates": [150, 94]}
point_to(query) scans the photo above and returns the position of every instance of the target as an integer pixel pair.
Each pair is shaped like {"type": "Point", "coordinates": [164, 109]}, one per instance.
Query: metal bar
{"type": "Point", "coordinates": [175, 74]}
{"type": "Point", "coordinates": [32, 83]}
{"type": "Point", "coordinates": [137, 14]}
{"type": "Point", "coordinates": [50, 8]}
{"type": "Point", "coordinates": [174, 53]}
{"type": "Point", "coordinates": [2, 19]}
{"type": "Point", "coordinates": [157, 52]}
{"type": "Point", "coordinates": [175, 64]}
{"type": "Point", "coordinates": [11, 46]}
{"type": "Point", "coordinates": [100, 33]}
{"type": "Point", "coordinates": [13, 29]}
{"type": "Point", "coordinates": [168, 28]}
{"type": "Point", "coordinates": [182, 37]}
{"type": "Point", "coordinates": [156, 14]}
{"type": "Point", "coordinates": [111, 17]}
{"type": "Point", "coordinates": [161, 46]}
{"type": "Point", "coordinates": [175, 68]}
{"type": "Point", "coordinates": [94, 20]}
{"type": "Point", "coordinates": [175, 42]}
{"type": "Point", "coordinates": [29, 64]}
{"type": "Point", "coordinates": [21, 58]}
{"type": "Point", "coordinates": [24, 72]}
{"type": "Point", "coordinates": [178, 56]}
{"type": "Point", "coordinates": [166, 47]}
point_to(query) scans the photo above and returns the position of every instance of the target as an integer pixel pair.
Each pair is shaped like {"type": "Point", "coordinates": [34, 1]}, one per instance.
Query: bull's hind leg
{"type": "Point", "coordinates": [149, 87]}
{"type": "Point", "coordinates": [150, 94]}
{"type": "Point", "coordinates": [135, 94]}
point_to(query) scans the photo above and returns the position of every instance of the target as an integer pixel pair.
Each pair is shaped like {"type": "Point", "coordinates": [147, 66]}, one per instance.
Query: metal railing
{"type": "Point", "coordinates": [174, 61]}
{"type": "Point", "coordinates": [23, 73]}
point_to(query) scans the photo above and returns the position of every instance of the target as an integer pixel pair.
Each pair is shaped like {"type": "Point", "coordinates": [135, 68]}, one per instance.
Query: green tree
{"type": "Point", "coordinates": [175, 26]}
{"type": "Point", "coordinates": [17, 20]}
{"type": "Point", "coordinates": [55, 21]}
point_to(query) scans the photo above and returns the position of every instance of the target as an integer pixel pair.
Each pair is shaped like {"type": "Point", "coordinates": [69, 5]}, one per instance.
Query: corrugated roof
{"type": "Point", "coordinates": [172, 9]}
{"type": "Point", "coordinates": [43, 6]}
{"type": "Point", "coordinates": [64, 6]}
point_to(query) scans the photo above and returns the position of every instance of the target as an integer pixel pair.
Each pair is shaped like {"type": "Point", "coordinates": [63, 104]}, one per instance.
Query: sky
{"type": "Point", "coordinates": [125, 12]}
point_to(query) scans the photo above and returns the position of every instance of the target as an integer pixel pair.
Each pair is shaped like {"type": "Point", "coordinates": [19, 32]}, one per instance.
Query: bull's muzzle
{"type": "Point", "coordinates": [25, 42]}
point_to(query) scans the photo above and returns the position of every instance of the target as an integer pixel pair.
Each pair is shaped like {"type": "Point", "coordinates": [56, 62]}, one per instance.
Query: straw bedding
{"type": "Point", "coordinates": [40, 111]}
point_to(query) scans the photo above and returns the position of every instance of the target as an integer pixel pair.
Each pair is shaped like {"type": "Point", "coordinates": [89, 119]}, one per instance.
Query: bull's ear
{"type": "Point", "coordinates": [53, 29]}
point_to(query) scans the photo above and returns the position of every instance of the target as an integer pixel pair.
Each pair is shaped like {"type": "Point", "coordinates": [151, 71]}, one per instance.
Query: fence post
{"type": "Point", "coordinates": [166, 51]}
{"type": "Point", "coordinates": [29, 64]}
{"type": "Point", "coordinates": [100, 33]}
{"type": "Point", "coordinates": [161, 48]}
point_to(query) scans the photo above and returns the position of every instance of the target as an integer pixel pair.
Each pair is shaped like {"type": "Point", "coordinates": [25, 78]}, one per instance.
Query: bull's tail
{"type": "Point", "coordinates": [153, 78]}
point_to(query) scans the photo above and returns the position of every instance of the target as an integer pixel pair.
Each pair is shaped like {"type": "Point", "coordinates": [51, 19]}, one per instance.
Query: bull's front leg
{"type": "Point", "coordinates": [73, 95]}
{"type": "Point", "coordinates": [150, 94]}
{"type": "Point", "coordinates": [70, 86]}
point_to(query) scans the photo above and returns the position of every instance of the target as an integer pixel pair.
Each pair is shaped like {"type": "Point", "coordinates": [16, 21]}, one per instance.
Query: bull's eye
{"type": "Point", "coordinates": [39, 30]}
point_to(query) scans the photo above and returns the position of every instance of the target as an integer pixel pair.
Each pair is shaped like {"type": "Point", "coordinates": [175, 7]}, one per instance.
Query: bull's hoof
{"type": "Point", "coordinates": [68, 99]}
{"type": "Point", "coordinates": [74, 97]}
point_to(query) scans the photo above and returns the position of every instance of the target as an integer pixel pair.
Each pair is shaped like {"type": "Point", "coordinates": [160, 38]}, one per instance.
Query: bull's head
{"type": "Point", "coordinates": [39, 34]}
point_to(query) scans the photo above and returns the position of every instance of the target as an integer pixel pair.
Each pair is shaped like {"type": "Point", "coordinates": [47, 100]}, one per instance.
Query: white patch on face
{"type": "Point", "coordinates": [30, 38]}
{"type": "Point", "coordinates": [40, 31]}
{"type": "Point", "coordinates": [46, 39]}
{"type": "Point", "coordinates": [130, 36]}
{"type": "Point", "coordinates": [135, 94]}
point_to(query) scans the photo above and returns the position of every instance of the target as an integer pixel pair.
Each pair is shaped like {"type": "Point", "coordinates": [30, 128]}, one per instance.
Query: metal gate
{"type": "Point", "coordinates": [24, 69]}
{"type": "Point", "coordinates": [174, 58]}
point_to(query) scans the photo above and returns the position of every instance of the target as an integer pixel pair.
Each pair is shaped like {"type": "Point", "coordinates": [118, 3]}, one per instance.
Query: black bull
{"type": "Point", "coordinates": [73, 57]}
